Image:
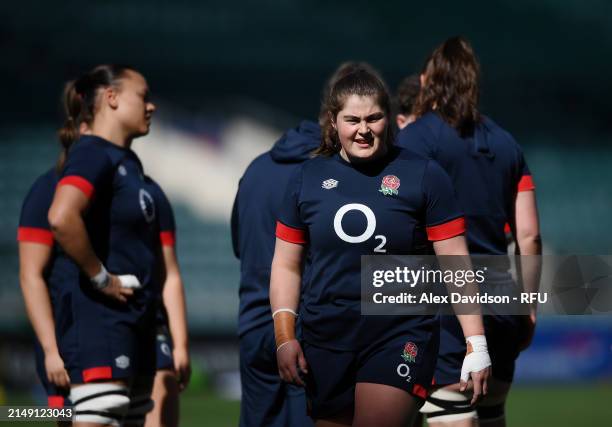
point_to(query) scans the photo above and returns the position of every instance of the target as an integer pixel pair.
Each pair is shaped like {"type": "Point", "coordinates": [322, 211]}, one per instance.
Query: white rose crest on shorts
{"type": "Point", "coordinates": [389, 185]}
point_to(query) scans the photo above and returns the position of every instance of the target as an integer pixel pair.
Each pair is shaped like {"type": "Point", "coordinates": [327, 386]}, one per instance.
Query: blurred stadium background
{"type": "Point", "coordinates": [229, 77]}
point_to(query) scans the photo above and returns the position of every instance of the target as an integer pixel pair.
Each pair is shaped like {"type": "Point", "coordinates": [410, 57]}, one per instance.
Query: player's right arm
{"type": "Point", "coordinates": [85, 169]}
{"type": "Point", "coordinates": [285, 283]}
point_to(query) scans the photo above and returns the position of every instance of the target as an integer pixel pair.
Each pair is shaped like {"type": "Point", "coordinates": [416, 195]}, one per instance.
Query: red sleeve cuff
{"type": "Point", "coordinates": [168, 238]}
{"type": "Point", "coordinates": [290, 234]}
{"type": "Point", "coordinates": [526, 183]}
{"type": "Point", "coordinates": [81, 183]}
{"type": "Point", "coordinates": [446, 230]}
{"type": "Point", "coordinates": [35, 235]}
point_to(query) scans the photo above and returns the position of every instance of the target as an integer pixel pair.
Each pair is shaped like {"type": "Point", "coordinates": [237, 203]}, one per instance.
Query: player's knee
{"type": "Point", "coordinates": [490, 414]}
{"type": "Point", "coordinates": [445, 406]}
{"type": "Point", "coordinates": [140, 405]}
{"type": "Point", "coordinates": [102, 403]}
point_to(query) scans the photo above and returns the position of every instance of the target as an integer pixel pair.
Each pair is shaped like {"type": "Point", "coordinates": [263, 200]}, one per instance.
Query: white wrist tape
{"type": "Point", "coordinates": [129, 281]}
{"type": "Point", "coordinates": [101, 280]}
{"type": "Point", "coordinates": [280, 310]}
{"type": "Point", "coordinates": [478, 359]}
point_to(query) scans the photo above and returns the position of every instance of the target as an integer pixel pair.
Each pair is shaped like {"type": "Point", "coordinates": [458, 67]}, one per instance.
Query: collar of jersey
{"type": "Point", "coordinates": [371, 168]}
{"type": "Point", "coordinates": [99, 140]}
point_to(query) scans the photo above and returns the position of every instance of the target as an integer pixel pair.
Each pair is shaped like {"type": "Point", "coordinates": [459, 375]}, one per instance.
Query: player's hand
{"type": "Point", "coordinates": [56, 373]}
{"type": "Point", "coordinates": [116, 291]}
{"type": "Point", "coordinates": [477, 365]}
{"type": "Point", "coordinates": [182, 367]}
{"type": "Point", "coordinates": [530, 330]}
{"type": "Point", "coordinates": [290, 357]}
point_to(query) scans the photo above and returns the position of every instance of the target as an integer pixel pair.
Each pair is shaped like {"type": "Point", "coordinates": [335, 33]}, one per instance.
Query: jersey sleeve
{"type": "Point", "coordinates": [290, 226]}
{"type": "Point", "coordinates": [87, 168]}
{"type": "Point", "coordinates": [525, 182]}
{"type": "Point", "coordinates": [33, 223]}
{"type": "Point", "coordinates": [443, 218]}
{"type": "Point", "coordinates": [167, 225]}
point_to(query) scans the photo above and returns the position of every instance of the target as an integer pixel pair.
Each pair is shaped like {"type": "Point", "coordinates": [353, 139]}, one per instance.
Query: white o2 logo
{"type": "Point", "coordinates": [403, 371]}
{"type": "Point", "coordinates": [368, 232]}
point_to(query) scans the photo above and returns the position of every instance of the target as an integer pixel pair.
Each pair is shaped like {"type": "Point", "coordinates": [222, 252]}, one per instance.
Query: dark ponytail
{"type": "Point", "coordinates": [451, 87]}
{"type": "Point", "coordinates": [79, 102]}
{"type": "Point", "coordinates": [69, 133]}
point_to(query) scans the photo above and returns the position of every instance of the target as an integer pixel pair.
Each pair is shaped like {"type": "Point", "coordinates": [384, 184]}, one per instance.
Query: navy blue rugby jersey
{"type": "Point", "coordinates": [487, 170]}
{"type": "Point", "coordinates": [394, 205]}
{"type": "Point", "coordinates": [256, 208]}
{"type": "Point", "coordinates": [122, 219]}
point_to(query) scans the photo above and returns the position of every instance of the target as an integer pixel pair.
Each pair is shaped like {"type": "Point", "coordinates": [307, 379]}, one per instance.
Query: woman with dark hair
{"type": "Point", "coordinates": [351, 364]}
{"type": "Point", "coordinates": [104, 215]}
{"type": "Point", "coordinates": [494, 187]}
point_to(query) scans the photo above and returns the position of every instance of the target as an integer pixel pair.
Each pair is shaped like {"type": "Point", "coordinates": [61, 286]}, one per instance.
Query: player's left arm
{"type": "Point", "coordinates": [33, 258]}
{"type": "Point", "coordinates": [174, 301]}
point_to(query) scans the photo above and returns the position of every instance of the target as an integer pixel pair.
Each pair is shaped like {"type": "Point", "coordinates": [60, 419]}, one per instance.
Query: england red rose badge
{"type": "Point", "coordinates": [410, 352]}
{"type": "Point", "coordinates": [389, 185]}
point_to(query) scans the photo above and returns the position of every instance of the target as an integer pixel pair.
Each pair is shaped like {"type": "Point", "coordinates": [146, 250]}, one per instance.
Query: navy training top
{"type": "Point", "coordinates": [34, 226]}
{"type": "Point", "coordinates": [122, 219]}
{"type": "Point", "coordinates": [395, 205]}
{"type": "Point", "coordinates": [487, 170]}
{"type": "Point", "coordinates": [256, 208]}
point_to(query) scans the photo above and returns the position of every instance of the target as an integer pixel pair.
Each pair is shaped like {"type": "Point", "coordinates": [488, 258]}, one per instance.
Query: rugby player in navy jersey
{"type": "Point", "coordinates": [173, 363]}
{"type": "Point", "coordinates": [361, 196]}
{"type": "Point", "coordinates": [103, 216]}
{"type": "Point", "coordinates": [494, 187]}
{"type": "Point", "coordinates": [265, 400]}
{"type": "Point", "coordinates": [35, 255]}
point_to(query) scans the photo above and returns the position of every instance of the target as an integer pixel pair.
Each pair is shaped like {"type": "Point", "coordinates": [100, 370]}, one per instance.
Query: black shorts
{"type": "Point", "coordinates": [163, 346]}
{"type": "Point", "coordinates": [105, 341]}
{"type": "Point", "coordinates": [406, 362]}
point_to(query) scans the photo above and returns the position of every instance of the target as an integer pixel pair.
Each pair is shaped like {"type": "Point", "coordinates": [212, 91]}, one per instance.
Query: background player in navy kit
{"type": "Point", "coordinates": [35, 250]}
{"type": "Point", "coordinates": [35, 254]}
{"type": "Point", "coordinates": [266, 399]}
{"type": "Point", "coordinates": [173, 364]}
{"type": "Point", "coordinates": [494, 186]}
{"type": "Point", "coordinates": [35, 261]}
{"type": "Point", "coordinates": [352, 362]}
{"type": "Point", "coordinates": [103, 213]}
{"type": "Point", "coordinates": [407, 93]}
